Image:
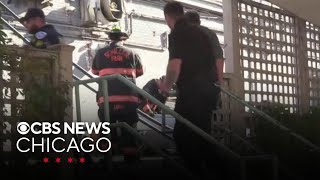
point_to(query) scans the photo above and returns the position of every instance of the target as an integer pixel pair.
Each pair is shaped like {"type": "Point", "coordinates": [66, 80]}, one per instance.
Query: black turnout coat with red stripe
{"type": "Point", "coordinates": [117, 59]}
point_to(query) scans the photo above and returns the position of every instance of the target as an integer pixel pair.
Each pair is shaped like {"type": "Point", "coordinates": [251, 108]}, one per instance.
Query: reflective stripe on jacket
{"type": "Point", "coordinates": [117, 59]}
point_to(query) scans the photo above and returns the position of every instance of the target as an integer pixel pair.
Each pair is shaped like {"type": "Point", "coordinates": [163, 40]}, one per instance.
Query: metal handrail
{"type": "Point", "coordinates": [195, 129]}
{"type": "Point", "coordinates": [9, 25]}
{"type": "Point", "coordinates": [10, 11]}
{"type": "Point", "coordinates": [166, 126]}
{"type": "Point", "coordinates": [271, 120]}
{"type": "Point", "coordinates": [131, 85]}
{"type": "Point", "coordinates": [78, 79]}
{"type": "Point", "coordinates": [82, 70]}
{"type": "Point", "coordinates": [150, 125]}
{"type": "Point", "coordinates": [14, 30]}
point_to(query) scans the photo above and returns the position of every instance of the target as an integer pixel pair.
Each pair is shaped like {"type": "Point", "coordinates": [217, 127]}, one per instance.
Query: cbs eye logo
{"type": "Point", "coordinates": [23, 128]}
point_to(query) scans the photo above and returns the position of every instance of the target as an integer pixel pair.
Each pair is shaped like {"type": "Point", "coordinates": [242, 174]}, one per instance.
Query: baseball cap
{"type": "Point", "coordinates": [31, 13]}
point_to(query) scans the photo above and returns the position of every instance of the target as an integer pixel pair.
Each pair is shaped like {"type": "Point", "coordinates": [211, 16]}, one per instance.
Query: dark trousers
{"type": "Point", "coordinates": [196, 105]}
{"type": "Point", "coordinates": [131, 118]}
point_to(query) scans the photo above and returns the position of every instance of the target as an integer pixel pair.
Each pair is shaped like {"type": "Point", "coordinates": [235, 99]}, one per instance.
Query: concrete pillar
{"type": "Point", "coordinates": [302, 70]}
{"type": "Point", "coordinates": [50, 67]}
{"type": "Point", "coordinates": [62, 73]}
{"type": "Point", "coordinates": [233, 66]}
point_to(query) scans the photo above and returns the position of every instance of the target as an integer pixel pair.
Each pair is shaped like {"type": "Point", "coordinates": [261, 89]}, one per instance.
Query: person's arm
{"type": "Point", "coordinates": [173, 71]}
{"type": "Point", "coordinates": [219, 60]}
{"type": "Point", "coordinates": [174, 65]}
{"type": "Point", "coordinates": [219, 65]}
{"type": "Point", "coordinates": [139, 66]}
{"type": "Point", "coordinates": [95, 69]}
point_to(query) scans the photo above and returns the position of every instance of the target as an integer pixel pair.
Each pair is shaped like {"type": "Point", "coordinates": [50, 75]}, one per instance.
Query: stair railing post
{"type": "Point", "coordinates": [78, 108]}
{"type": "Point", "coordinates": [106, 110]}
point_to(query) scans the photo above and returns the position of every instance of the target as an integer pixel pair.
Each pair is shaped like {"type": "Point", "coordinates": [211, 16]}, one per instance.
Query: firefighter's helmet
{"type": "Point", "coordinates": [117, 34]}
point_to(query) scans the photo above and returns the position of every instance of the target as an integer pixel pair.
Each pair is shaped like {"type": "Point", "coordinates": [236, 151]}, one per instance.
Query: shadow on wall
{"type": "Point", "coordinates": [63, 11]}
{"type": "Point", "coordinates": [20, 6]}
{"type": "Point", "coordinates": [86, 54]}
{"type": "Point", "coordinates": [85, 59]}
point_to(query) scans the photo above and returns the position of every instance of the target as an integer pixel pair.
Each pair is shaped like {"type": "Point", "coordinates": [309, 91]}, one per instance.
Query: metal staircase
{"type": "Point", "coordinates": [244, 156]}
{"type": "Point", "coordinates": [154, 124]}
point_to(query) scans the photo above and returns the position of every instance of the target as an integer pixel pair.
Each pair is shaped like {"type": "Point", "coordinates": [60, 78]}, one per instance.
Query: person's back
{"type": "Point", "coordinates": [117, 59]}
{"type": "Point", "coordinates": [193, 46]}
{"type": "Point", "coordinates": [194, 18]}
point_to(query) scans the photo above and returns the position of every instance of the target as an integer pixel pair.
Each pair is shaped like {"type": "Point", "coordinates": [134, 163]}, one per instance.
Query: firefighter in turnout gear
{"type": "Point", "coordinates": [123, 101]}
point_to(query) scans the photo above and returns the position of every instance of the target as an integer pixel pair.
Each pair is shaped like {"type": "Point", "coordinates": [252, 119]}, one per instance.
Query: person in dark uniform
{"type": "Point", "coordinates": [152, 87]}
{"type": "Point", "coordinates": [194, 18]}
{"type": "Point", "coordinates": [190, 67]}
{"type": "Point", "coordinates": [43, 35]}
{"type": "Point", "coordinates": [123, 101]}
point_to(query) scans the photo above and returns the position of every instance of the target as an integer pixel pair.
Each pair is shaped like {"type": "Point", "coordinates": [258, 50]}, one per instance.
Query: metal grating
{"type": "Point", "coordinates": [268, 55]}
{"type": "Point", "coordinates": [313, 56]}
